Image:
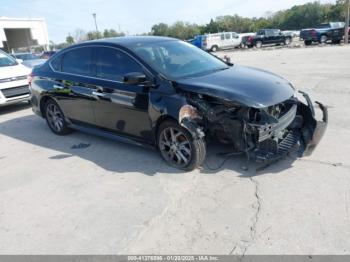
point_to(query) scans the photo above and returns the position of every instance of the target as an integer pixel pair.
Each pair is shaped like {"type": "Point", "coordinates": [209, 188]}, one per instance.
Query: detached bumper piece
{"type": "Point", "coordinates": [302, 133]}
{"type": "Point", "coordinates": [275, 151]}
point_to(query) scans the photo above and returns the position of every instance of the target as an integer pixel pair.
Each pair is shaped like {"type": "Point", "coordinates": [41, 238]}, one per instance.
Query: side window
{"type": "Point", "coordinates": [234, 35]}
{"type": "Point", "coordinates": [78, 61]}
{"type": "Point", "coordinates": [222, 37]}
{"type": "Point", "coordinates": [228, 36]}
{"type": "Point", "coordinates": [112, 64]}
{"type": "Point", "coordinates": [269, 33]}
{"type": "Point", "coordinates": [276, 32]}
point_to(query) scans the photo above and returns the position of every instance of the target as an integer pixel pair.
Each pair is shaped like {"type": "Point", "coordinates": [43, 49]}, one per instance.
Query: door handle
{"type": "Point", "coordinates": [98, 94]}
{"type": "Point", "coordinates": [55, 86]}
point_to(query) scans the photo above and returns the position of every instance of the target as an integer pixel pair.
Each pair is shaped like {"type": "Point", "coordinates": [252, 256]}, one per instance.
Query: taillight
{"type": "Point", "coordinates": [30, 78]}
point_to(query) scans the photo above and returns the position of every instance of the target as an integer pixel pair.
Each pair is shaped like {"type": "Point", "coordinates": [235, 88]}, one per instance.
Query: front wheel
{"type": "Point", "coordinates": [55, 118]}
{"type": "Point", "coordinates": [307, 42]}
{"type": "Point", "coordinates": [178, 147]}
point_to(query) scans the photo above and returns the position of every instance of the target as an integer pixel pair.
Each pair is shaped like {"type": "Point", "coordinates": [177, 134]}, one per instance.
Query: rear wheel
{"type": "Point", "coordinates": [178, 147]}
{"type": "Point", "coordinates": [55, 118]}
{"type": "Point", "coordinates": [323, 39]}
{"type": "Point", "coordinates": [307, 42]}
{"type": "Point", "coordinates": [287, 41]}
{"type": "Point", "coordinates": [214, 48]}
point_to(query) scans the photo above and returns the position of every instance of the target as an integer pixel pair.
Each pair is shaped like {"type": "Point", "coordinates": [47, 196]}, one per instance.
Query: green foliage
{"type": "Point", "coordinates": [294, 18]}
{"type": "Point", "coordinates": [181, 30]}
{"type": "Point", "coordinates": [69, 40]}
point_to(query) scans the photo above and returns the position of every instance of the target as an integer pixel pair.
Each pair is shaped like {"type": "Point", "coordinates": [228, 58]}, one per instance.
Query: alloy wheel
{"type": "Point", "coordinates": [175, 147]}
{"type": "Point", "coordinates": [55, 117]}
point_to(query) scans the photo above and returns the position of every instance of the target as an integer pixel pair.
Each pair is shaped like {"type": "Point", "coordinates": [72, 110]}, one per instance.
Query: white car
{"type": "Point", "coordinates": [225, 40]}
{"type": "Point", "coordinates": [14, 86]}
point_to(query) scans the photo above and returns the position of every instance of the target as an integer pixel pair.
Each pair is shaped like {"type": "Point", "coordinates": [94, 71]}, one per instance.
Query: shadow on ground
{"type": "Point", "coordinates": [13, 108]}
{"type": "Point", "coordinates": [120, 157]}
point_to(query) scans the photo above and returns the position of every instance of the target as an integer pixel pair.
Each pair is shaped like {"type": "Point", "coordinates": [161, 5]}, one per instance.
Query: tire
{"type": "Point", "coordinates": [307, 42]}
{"type": "Point", "coordinates": [178, 147]}
{"type": "Point", "coordinates": [336, 42]}
{"type": "Point", "coordinates": [214, 48]}
{"type": "Point", "coordinates": [287, 41]}
{"type": "Point", "coordinates": [258, 44]}
{"type": "Point", "coordinates": [55, 118]}
{"type": "Point", "coordinates": [323, 39]}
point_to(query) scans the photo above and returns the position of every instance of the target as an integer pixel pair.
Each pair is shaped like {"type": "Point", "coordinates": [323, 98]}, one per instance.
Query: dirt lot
{"type": "Point", "coordinates": [81, 194]}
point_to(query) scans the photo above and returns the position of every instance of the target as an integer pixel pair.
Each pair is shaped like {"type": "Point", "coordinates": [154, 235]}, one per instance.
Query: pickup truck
{"type": "Point", "coordinates": [333, 31]}
{"type": "Point", "coordinates": [267, 37]}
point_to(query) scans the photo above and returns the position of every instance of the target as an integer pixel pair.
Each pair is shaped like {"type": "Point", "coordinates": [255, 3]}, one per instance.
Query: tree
{"type": "Point", "coordinates": [92, 35]}
{"type": "Point", "coordinates": [69, 40]}
{"type": "Point", "coordinates": [79, 35]}
{"type": "Point", "coordinates": [107, 33]}
{"type": "Point", "coordinates": [160, 29]}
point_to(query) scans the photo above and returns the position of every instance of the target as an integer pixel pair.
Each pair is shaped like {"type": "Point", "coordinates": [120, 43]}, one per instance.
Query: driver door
{"type": "Point", "coordinates": [120, 107]}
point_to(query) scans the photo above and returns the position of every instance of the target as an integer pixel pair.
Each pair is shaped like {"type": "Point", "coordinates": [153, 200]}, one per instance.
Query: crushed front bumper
{"type": "Point", "coordinates": [303, 139]}
{"type": "Point", "coordinates": [319, 126]}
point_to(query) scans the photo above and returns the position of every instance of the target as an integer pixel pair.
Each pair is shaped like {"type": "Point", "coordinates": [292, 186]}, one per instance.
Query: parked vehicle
{"type": "Point", "coordinates": [167, 93]}
{"type": "Point", "coordinates": [197, 41]}
{"type": "Point", "coordinates": [47, 54]}
{"type": "Point", "coordinates": [226, 40]}
{"type": "Point", "coordinates": [13, 80]}
{"type": "Point", "coordinates": [267, 37]}
{"type": "Point", "coordinates": [244, 37]}
{"type": "Point", "coordinates": [29, 59]}
{"type": "Point", "coordinates": [333, 31]}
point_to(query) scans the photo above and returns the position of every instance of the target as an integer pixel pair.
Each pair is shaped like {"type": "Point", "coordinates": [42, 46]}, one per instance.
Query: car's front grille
{"type": "Point", "coordinates": [10, 79]}
{"type": "Point", "coordinates": [15, 91]}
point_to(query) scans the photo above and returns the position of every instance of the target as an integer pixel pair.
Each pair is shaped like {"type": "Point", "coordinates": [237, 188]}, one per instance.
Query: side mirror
{"type": "Point", "coordinates": [19, 61]}
{"type": "Point", "coordinates": [134, 78]}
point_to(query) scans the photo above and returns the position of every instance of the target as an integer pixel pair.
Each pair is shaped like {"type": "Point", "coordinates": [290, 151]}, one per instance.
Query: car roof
{"type": "Point", "coordinates": [127, 41]}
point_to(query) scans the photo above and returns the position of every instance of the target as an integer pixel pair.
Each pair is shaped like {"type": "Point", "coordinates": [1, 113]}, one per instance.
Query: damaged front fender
{"type": "Point", "coordinates": [189, 118]}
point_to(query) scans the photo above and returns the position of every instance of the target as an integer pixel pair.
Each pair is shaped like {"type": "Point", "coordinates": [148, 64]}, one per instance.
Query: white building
{"type": "Point", "coordinates": [23, 33]}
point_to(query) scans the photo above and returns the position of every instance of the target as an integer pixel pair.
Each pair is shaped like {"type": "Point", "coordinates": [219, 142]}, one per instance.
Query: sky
{"type": "Point", "coordinates": [132, 16]}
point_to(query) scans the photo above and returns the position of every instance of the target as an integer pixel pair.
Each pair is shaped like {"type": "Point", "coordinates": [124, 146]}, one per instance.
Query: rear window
{"type": "Point", "coordinates": [56, 63]}
{"type": "Point", "coordinates": [78, 61]}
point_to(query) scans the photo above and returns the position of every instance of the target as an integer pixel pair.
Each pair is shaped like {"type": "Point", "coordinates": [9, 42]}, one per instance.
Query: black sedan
{"type": "Point", "coordinates": [167, 93]}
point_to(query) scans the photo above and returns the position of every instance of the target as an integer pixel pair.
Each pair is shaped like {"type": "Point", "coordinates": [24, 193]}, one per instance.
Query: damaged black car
{"type": "Point", "coordinates": [166, 93]}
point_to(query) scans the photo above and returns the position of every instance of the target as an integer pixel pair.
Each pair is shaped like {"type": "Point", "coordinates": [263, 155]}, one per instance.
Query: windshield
{"type": "Point", "coordinates": [6, 60]}
{"type": "Point", "coordinates": [177, 59]}
{"type": "Point", "coordinates": [25, 57]}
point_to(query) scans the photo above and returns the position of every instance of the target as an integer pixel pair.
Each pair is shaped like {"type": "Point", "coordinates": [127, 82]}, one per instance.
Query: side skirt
{"type": "Point", "coordinates": [110, 135]}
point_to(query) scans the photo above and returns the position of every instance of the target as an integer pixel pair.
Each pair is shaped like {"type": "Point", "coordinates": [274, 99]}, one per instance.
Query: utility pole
{"type": "Point", "coordinates": [346, 35]}
{"type": "Point", "coordinates": [94, 16]}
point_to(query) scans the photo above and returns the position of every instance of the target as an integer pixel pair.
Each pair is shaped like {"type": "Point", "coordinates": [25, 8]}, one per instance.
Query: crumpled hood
{"type": "Point", "coordinates": [248, 86]}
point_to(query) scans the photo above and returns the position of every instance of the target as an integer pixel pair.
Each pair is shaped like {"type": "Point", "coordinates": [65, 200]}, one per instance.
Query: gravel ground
{"type": "Point", "coordinates": [81, 194]}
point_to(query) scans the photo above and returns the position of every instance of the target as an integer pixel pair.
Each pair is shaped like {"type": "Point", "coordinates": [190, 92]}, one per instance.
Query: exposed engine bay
{"type": "Point", "coordinates": [264, 134]}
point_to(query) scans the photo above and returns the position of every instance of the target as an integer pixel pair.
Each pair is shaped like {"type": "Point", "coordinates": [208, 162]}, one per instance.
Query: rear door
{"type": "Point", "coordinates": [277, 36]}
{"type": "Point", "coordinates": [269, 37]}
{"type": "Point", "coordinates": [119, 107]}
{"type": "Point", "coordinates": [72, 86]}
